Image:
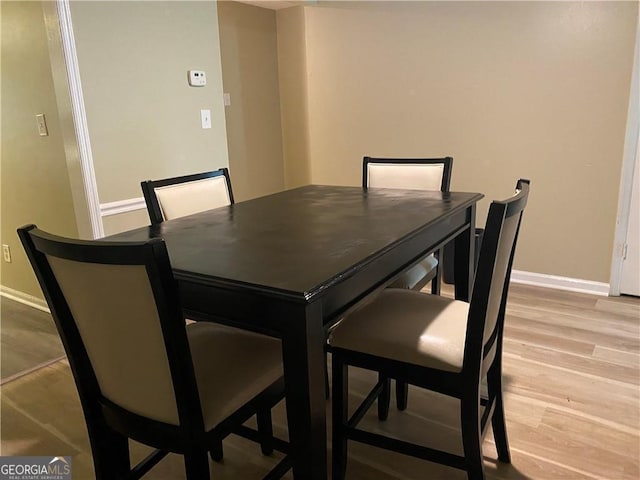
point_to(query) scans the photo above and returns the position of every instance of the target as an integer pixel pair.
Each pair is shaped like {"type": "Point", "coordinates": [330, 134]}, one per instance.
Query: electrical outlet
{"type": "Point", "coordinates": [6, 253]}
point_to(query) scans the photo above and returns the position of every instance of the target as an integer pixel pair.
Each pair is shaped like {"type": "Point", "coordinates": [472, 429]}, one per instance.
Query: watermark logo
{"type": "Point", "coordinates": [35, 468]}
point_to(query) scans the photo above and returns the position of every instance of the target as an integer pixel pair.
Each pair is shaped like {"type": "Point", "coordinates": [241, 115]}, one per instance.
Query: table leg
{"type": "Point", "coordinates": [464, 264]}
{"type": "Point", "coordinates": [303, 357]}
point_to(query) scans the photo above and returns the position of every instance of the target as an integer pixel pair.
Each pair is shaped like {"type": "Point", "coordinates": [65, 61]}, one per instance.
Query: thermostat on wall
{"type": "Point", "coordinates": [197, 78]}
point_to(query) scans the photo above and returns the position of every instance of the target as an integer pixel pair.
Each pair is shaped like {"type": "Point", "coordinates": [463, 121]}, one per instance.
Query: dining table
{"type": "Point", "coordinates": [292, 263]}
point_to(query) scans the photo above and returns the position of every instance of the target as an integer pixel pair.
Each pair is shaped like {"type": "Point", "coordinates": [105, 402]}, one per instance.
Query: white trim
{"type": "Point", "coordinates": [629, 160]}
{"type": "Point", "coordinates": [560, 283]}
{"type": "Point", "coordinates": [24, 298]}
{"type": "Point", "coordinates": [80, 117]}
{"type": "Point", "coordinates": [122, 206]}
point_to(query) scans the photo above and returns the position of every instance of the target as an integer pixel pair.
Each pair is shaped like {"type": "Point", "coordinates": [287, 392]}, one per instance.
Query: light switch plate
{"type": "Point", "coordinates": [6, 253]}
{"type": "Point", "coordinates": [205, 116]}
{"type": "Point", "coordinates": [42, 125]}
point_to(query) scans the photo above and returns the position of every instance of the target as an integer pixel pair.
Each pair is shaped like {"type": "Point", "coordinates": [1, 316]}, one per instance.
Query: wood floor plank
{"type": "Point", "coordinates": [21, 435]}
{"type": "Point", "coordinates": [599, 322]}
{"type": "Point", "coordinates": [579, 363]}
{"type": "Point", "coordinates": [620, 448]}
{"type": "Point", "coordinates": [527, 465]}
{"type": "Point", "coordinates": [28, 338]}
{"type": "Point", "coordinates": [50, 398]}
{"type": "Point", "coordinates": [24, 436]}
{"type": "Point", "coordinates": [619, 357]}
{"type": "Point", "coordinates": [581, 393]}
{"type": "Point", "coordinates": [537, 296]}
{"type": "Point", "coordinates": [533, 294]}
{"type": "Point", "coordinates": [517, 331]}
{"type": "Point", "coordinates": [623, 305]}
{"type": "Point", "coordinates": [570, 450]}
{"type": "Point", "coordinates": [612, 338]}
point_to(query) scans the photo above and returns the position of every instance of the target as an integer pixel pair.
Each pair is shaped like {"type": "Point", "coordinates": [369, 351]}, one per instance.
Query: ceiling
{"type": "Point", "coordinates": [274, 4]}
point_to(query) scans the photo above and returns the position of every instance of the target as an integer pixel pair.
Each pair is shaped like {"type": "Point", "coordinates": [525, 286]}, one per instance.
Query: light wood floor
{"type": "Point", "coordinates": [28, 339]}
{"type": "Point", "coordinates": [572, 371]}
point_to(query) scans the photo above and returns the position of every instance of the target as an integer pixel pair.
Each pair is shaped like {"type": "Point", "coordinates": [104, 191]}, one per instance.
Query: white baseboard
{"type": "Point", "coordinates": [560, 283]}
{"type": "Point", "coordinates": [24, 298]}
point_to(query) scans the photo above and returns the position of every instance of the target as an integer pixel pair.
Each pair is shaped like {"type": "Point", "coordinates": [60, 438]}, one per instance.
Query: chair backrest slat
{"type": "Point", "coordinates": [181, 196]}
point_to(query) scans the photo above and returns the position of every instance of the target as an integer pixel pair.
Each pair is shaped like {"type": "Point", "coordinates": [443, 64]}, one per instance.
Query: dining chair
{"type": "Point", "coordinates": [447, 346]}
{"type": "Point", "coordinates": [141, 372]}
{"type": "Point", "coordinates": [413, 174]}
{"type": "Point", "coordinates": [185, 195]}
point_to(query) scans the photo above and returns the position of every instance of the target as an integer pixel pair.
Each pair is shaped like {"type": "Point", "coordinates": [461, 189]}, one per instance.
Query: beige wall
{"type": "Point", "coordinates": [35, 183]}
{"type": "Point", "coordinates": [143, 117]}
{"type": "Point", "coordinates": [249, 56]}
{"type": "Point", "coordinates": [122, 222]}
{"type": "Point", "coordinates": [294, 98]}
{"type": "Point", "coordinates": [509, 89]}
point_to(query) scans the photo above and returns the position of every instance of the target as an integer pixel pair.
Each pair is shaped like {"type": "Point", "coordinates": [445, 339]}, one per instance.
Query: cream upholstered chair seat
{"type": "Point", "coordinates": [224, 358]}
{"type": "Point", "coordinates": [378, 329]}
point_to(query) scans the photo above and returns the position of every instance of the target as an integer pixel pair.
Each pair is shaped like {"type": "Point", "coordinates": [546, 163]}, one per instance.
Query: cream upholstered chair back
{"type": "Point", "coordinates": [491, 285]}
{"type": "Point", "coordinates": [185, 199]}
{"type": "Point", "coordinates": [413, 174]}
{"type": "Point", "coordinates": [116, 319]}
{"type": "Point", "coordinates": [116, 316]}
{"type": "Point", "coordinates": [181, 196]}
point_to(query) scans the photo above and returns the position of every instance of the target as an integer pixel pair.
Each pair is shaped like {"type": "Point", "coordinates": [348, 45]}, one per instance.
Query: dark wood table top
{"type": "Point", "coordinates": [298, 242]}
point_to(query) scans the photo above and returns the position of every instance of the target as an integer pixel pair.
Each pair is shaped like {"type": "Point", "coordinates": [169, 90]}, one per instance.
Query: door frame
{"type": "Point", "coordinates": [629, 163]}
{"type": "Point", "coordinates": [73, 118]}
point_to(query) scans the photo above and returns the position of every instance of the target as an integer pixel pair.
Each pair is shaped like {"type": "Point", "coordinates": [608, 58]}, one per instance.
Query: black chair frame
{"type": "Point", "coordinates": [151, 199]}
{"type": "Point", "coordinates": [463, 385]}
{"type": "Point", "coordinates": [109, 425]}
